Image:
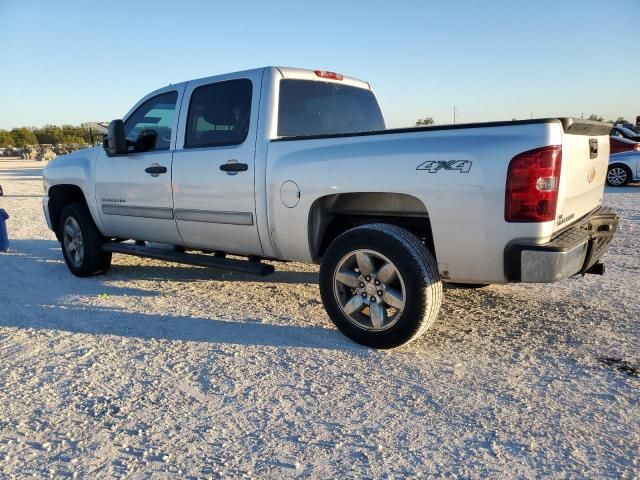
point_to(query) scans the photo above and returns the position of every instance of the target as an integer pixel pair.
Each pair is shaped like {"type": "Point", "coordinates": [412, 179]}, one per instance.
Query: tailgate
{"type": "Point", "coordinates": [585, 157]}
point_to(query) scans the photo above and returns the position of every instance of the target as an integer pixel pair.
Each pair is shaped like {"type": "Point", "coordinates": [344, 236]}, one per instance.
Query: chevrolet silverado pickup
{"type": "Point", "coordinates": [275, 164]}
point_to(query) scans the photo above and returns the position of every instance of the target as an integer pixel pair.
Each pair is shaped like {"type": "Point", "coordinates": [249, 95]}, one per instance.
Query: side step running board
{"type": "Point", "coordinates": [242, 266]}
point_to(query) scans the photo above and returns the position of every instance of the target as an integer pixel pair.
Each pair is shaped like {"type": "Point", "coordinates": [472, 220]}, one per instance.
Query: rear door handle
{"type": "Point", "coordinates": [155, 170]}
{"type": "Point", "coordinates": [234, 167]}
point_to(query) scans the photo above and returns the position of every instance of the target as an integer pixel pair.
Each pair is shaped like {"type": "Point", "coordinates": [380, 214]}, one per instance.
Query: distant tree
{"type": "Point", "coordinates": [423, 122]}
{"type": "Point", "coordinates": [23, 137]}
{"type": "Point", "coordinates": [53, 134]}
{"type": "Point", "coordinates": [6, 140]}
{"type": "Point", "coordinates": [621, 120]}
{"type": "Point", "coordinates": [49, 134]}
{"type": "Point", "coordinates": [595, 118]}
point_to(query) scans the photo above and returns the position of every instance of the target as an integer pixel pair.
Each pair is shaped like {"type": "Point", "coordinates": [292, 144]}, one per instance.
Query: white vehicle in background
{"type": "Point", "coordinates": [291, 164]}
{"type": "Point", "coordinates": [623, 168]}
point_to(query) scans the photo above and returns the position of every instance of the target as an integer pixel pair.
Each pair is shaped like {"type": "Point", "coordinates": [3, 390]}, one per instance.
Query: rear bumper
{"type": "Point", "coordinates": [572, 252]}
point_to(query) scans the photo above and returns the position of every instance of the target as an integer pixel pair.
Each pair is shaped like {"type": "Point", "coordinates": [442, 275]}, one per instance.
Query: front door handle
{"type": "Point", "coordinates": [234, 167]}
{"type": "Point", "coordinates": [155, 170]}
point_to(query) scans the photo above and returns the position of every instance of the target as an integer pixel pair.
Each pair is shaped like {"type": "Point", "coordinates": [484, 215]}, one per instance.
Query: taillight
{"type": "Point", "coordinates": [532, 185]}
{"type": "Point", "coordinates": [330, 75]}
{"type": "Point", "coordinates": [636, 147]}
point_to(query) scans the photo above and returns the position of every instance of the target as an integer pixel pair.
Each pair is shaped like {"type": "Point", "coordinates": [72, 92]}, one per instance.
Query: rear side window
{"type": "Point", "coordinates": [219, 114]}
{"type": "Point", "coordinates": [149, 127]}
{"type": "Point", "coordinates": [315, 108]}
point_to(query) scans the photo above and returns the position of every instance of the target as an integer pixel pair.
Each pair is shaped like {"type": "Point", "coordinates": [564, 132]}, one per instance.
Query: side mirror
{"type": "Point", "coordinates": [116, 143]}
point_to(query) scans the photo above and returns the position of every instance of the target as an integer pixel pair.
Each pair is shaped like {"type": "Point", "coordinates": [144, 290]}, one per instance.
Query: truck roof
{"type": "Point", "coordinates": [288, 72]}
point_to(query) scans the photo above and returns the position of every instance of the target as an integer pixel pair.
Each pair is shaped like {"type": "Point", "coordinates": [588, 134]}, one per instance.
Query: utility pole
{"type": "Point", "coordinates": [531, 113]}
{"type": "Point", "coordinates": [454, 114]}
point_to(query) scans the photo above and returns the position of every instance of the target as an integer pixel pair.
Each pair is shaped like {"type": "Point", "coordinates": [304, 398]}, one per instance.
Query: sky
{"type": "Point", "coordinates": [71, 61]}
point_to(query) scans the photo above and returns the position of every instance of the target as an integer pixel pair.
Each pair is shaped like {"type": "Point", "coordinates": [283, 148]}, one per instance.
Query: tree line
{"type": "Point", "coordinates": [421, 122]}
{"type": "Point", "coordinates": [47, 135]}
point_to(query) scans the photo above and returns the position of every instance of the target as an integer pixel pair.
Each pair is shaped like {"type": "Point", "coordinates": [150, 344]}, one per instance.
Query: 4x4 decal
{"type": "Point", "coordinates": [434, 166]}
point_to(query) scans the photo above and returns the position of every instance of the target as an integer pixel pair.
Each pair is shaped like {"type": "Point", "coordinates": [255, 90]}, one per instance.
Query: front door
{"type": "Point", "coordinates": [133, 191]}
{"type": "Point", "coordinates": [213, 172]}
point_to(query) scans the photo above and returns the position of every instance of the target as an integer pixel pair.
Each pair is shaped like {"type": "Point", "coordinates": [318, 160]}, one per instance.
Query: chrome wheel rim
{"type": "Point", "coordinates": [73, 243]}
{"type": "Point", "coordinates": [369, 290]}
{"type": "Point", "coordinates": [617, 176]}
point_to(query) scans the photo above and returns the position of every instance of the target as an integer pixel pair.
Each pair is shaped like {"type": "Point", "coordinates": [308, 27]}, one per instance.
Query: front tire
{"type": "Point", "coordinates": [81, 242]}
{"type": "Point", "coordinates": [380, 285]}
{"type": "Point", "coordinates": [618, 175]}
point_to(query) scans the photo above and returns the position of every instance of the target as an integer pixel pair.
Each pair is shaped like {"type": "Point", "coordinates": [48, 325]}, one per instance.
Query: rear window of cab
{"type": "Point", "coordinates": [308, 107]}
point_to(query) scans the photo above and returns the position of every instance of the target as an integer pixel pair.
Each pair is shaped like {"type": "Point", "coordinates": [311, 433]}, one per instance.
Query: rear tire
{"type": "Point", "coordinates": [618, 175]}
{"type": "Point", "coordinates": [380, 285]}
{"type": "Point", "coordinates": [82, 242]}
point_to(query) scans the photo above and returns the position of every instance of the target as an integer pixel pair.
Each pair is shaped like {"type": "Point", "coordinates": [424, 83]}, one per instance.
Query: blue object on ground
{"type": "Point", "coordinates": [4, 237]}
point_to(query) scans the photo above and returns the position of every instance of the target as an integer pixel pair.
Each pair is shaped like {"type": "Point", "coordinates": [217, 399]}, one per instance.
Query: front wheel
{"type": "Point", "coordinates": [82, 242]}
{"type": "Point", "coordinates": [380, 285]}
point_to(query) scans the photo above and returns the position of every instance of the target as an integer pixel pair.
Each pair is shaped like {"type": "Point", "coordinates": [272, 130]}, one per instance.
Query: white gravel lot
{"type": "Point", "coordinates": [156, 370]}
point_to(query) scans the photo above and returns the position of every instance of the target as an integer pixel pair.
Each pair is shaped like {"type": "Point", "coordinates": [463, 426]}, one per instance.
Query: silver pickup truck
{"type": "Point", "coordinates": [291, 164]}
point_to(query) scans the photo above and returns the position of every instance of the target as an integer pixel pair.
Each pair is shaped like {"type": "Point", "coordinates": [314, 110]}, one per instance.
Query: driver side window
{"type": "Point", "coordinates": [149, 127]}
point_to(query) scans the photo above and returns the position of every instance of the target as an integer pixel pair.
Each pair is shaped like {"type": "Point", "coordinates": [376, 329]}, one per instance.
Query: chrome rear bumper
{"type": "Point", "coordinates": [573, 251]}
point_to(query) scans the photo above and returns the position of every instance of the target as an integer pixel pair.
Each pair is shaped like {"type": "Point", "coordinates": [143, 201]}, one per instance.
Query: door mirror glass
{"type": "Point", "coordinates": [116, 143]}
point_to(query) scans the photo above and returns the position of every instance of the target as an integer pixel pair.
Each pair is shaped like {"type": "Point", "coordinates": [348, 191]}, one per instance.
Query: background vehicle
{"type": "Point", "coordinates": [629, 126]}
{"type": "Point", "coordinates": [623, 132]}
{"type": "Point", "coordinates": [290, 164]}
{"type": "Point", "coordinates": [623, 168]}
{"type": "Point", "coordinates": [619, 145]}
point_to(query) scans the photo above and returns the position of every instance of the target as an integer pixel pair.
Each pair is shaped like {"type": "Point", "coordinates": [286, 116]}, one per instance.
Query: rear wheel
{"type": "Point", "coordinates": [380, 285]}
{"type": "Point", "coordinates": [82, 242]}
{"type": "Point", "coordinates": [618, 175]}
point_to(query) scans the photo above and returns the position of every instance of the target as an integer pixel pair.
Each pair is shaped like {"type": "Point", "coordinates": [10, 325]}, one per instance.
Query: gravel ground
{"type": "Point", "coordinates": [156, 370]}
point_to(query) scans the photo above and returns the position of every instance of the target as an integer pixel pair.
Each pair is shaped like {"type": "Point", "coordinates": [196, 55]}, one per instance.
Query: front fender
{"type": "Point", "coordinates": [78, 169]}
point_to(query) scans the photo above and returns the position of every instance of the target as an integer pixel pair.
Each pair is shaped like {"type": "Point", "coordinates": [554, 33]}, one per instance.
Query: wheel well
{"type": "Point", "coordinates": [626, 167]}
{"type": "Point", "coordinates": [59, 197]}
{"type": "Point", "coordinates": [333, 215]}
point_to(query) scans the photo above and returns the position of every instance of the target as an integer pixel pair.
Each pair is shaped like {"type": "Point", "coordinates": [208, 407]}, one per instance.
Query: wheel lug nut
{"type": "Point", "coordinates": [364, 294]}
{"type": "Point", "coordinates": [377, 282]}
{"type": "Point", "coordinates": [373, 299]}
{"type": "Point", "coordinates": [361, 285]}
{"type": "Point", "coordinates": [379, 293]}
{"type": "Point", "coordinates": [368, 278]}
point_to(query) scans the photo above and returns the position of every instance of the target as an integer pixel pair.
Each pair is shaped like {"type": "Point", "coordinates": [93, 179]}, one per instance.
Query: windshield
{"type": "Point", "coordinates": [309, 107]}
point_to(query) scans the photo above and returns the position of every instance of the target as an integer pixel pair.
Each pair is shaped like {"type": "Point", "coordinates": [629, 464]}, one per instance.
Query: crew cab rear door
{"type": "Point", "coordinates": [133, 191]}
{"type": "Point", "coordinates": [214, 164]}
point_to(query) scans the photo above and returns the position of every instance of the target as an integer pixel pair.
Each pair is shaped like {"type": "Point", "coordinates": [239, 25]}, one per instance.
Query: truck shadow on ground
{"type": "Point", "coordinates": [56, 300]}
{"type": "Point", "coordinates": [48, 301]}
{"type": "Point", "coordinates": [99, 321]}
